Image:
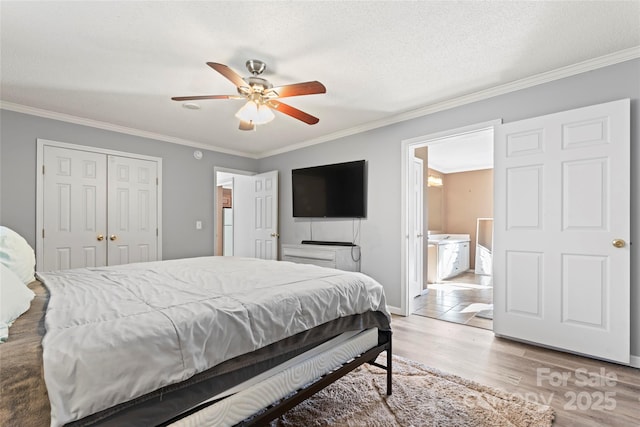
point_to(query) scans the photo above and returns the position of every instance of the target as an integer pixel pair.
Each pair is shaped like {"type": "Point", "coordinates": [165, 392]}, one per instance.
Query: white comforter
{"type": "Point", "coordinates": [116, 333]}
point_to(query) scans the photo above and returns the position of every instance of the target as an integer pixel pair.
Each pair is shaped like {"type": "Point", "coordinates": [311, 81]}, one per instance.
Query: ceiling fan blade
{"type": "Point", "coordinates": [234, 77]}
{"type": "Point", "coordinates": [246, 125]}
{"type": "Point", "coordinates": [293, 112]}
{"type": "Point", "coordinates": [297, 89]}
{"type": "Point", "coordinates": [193, 98]}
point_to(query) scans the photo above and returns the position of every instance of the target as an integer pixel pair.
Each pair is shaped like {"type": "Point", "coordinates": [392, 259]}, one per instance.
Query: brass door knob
{"type": "Point", "coordinates": [100, 238]}
{"type": "Point", "coordinates": [113, 237]}
{"type": "Point", "coordinates": [618, 243]}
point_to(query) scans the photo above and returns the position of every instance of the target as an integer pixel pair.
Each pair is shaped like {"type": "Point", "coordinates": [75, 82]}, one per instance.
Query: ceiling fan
{"type": "Point", "coordinates": [261, 96]}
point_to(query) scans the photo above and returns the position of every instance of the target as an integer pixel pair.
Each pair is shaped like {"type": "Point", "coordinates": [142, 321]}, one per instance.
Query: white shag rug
{"type": "Point", "coordinates": [422, 396]}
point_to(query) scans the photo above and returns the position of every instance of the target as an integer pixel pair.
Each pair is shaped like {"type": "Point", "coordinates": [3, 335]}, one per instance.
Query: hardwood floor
{"type": "Point", "coordinates": [583, 392]}
{"type": "Point", "coordinates": [452, 300]}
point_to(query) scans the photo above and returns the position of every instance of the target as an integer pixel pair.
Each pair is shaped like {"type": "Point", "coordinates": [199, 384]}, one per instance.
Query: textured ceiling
{"type": "Point", "coordinates": [120, 62]}
{"type": "Point", "coordinates": [467, 152]}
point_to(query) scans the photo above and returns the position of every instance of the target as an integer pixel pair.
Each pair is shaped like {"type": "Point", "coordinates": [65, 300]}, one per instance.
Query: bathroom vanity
{"type": "Point", "coordinates": [448, 256]}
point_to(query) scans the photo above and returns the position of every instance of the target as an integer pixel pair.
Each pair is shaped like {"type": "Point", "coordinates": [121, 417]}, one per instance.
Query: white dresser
{"type": "Point", "coordinates": [341, 257]}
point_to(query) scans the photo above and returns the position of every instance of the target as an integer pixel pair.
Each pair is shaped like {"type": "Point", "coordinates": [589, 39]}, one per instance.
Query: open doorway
{"type": "Point", "coordinates": [224, 211]}
{"type": "Point", "coordinates": [246, 213]}
{"type": "Point", "coordinates": [457, 188]}
{"type": "Point", "coordinates": [224, 205]}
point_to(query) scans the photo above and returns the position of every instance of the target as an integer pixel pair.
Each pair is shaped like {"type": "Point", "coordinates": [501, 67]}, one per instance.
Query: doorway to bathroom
{"type": "Point", "coordinates": [457, 188]}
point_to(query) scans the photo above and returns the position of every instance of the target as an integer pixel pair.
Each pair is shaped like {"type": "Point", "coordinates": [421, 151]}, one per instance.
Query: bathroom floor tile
{"type": "Point", "coordinates": [446, 300]}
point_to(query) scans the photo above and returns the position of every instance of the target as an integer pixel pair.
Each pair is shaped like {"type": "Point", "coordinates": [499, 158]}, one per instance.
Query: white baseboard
{"type": "Point", "coordinates": [634, 361]}
{"type": "Point", "coordinates": [395, 310]}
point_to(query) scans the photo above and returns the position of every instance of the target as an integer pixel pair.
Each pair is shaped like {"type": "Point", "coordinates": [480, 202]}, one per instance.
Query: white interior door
{"type": "Point", "coordinates": [242, 215]}
{"type": "Point", "coordinates": [562, 216]}
{"type": "Point", "coordinates": [132, 206]}
{"type": "Point", "coordinates": [74, 209]}
{"type": "Point", "coordinates": [265, 221]}
{"type": "Point", "coordinates": [416, 227]}
{"type": "Point", "coordinates": [255, 215]}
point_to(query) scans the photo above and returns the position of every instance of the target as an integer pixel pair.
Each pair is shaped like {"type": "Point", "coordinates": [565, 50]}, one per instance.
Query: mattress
{"type": "Point", "coordinates": [278, 384]}
{"type": "Point", "coordinates": [117, 334]}
{"type": "Point", "coordinates": [168, 402]}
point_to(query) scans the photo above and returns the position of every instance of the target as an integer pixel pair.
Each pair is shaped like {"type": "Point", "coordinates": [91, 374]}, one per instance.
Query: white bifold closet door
{"type": "Point", "coordinates": [75, 209]}
{"type": "Point", "coordinates": [98, 209]}
{"type": "Point", "coordinates": [132, 219]}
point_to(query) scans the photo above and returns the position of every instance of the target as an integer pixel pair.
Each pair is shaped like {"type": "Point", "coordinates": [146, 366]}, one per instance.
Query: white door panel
{"type": "Point", "coordinates": [416, 228]}
{"type": "Point", "coordinates": [265, 198]}
{"type": "Point", "coordinates": [255, 215]}
{"type": "Point", "coordinates": [74, 214]}
{"type": "Point", "coordinates": [562, 195]}
{"type": "Point", "coordinates": [243, 216]}
{"type": "Point", "coordinates": [132, 210]}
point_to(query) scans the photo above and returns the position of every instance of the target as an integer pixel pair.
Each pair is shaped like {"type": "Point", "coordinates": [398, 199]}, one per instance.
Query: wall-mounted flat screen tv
{"type": "Point", "coordinates": [330, 191]}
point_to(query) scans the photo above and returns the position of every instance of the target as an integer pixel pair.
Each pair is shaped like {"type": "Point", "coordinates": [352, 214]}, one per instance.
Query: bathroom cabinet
{"type": "Point", "coordinates": [484, 246]}
{"type": "Point", "coordinates": [447, 257]}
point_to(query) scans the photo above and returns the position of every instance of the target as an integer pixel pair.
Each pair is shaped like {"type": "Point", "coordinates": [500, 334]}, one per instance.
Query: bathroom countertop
{"type": "Point", "coordinates": [445, 239]}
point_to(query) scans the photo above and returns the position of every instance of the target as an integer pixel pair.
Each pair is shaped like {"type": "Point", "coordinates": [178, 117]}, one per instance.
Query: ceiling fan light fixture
{"type": "Point", "coordinates": [265, 115]}
{"type": "Point", "coordinates": [254, 113]}
{"type": "Point", "coordinates": [248, 112]}
{"type": "Point", "coordinates": [261, 96]}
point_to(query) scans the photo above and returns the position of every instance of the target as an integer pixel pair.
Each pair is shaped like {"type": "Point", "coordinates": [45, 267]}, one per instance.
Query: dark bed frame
{"type": "Point", "coordinates": [276, 410]}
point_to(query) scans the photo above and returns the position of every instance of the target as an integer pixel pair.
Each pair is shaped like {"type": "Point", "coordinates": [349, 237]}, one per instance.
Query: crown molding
{"type": "Point", "coordinates": [549, 76]}
{"type": "Point", "coordinates": [19, 108]}
{"type": "Point", "coordinates": [546, 77]}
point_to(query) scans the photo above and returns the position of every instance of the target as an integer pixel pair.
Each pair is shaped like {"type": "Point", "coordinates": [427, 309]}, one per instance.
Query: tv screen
{"type": "Point", "coordinates": [330, 191]}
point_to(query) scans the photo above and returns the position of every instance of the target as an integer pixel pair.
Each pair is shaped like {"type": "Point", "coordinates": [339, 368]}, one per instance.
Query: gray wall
{"type": "Point", "coordinates": [380, 240]}
{"type": "Point", "coordinates": [187, 183]}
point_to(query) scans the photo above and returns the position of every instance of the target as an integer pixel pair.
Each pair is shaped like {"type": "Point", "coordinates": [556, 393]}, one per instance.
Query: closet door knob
{"type": "Point", "coordinates": [113, 237]}
{"type": "Point", "coordinates": [100, 238]}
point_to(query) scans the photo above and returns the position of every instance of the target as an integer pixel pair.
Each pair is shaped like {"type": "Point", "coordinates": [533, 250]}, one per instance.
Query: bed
{"type": "Point", "coordinates": [200, 341]}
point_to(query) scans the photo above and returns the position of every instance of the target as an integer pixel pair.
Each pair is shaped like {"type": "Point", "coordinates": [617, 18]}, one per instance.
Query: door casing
{"type": "Point", "coordinates": [407, 148]}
